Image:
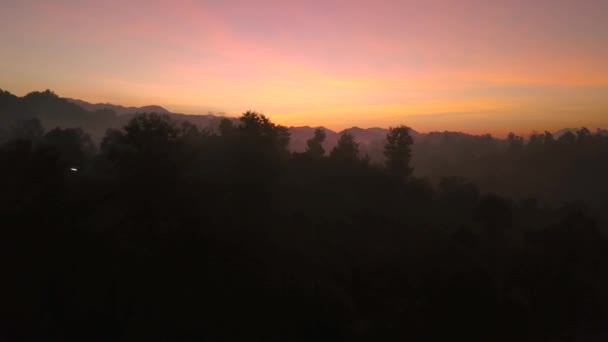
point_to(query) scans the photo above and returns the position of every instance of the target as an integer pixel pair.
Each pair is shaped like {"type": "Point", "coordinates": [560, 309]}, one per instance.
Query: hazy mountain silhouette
{"type": "Point", "coordinates": [55, 111]}
{"type": "Point", "coordinates": [299, 135]}
{"type": "Point", "coordinates": [209, 120]}
{"type": "Point", "coordinates": [118, 109]}
{"type": "Point", "coordinates": [95, 118]}
{"type": "Point", "coordinates": [363, 136]}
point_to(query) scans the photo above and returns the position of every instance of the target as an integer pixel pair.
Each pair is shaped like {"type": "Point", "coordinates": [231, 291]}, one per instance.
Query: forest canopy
{"type": "Point", "coordinates": [166, 230]}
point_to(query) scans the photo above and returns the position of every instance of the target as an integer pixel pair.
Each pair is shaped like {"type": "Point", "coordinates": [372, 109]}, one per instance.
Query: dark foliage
{"type": "Point", "coordinates": [314, 145]}
{"type": "Point", "coordinates": [398, 152]}
{"type": "Point", "coordinates": [173, 233]}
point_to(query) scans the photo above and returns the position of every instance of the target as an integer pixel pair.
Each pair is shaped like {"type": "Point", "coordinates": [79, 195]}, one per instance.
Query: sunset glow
{"type": "Point", "coordinates": [475, 66]}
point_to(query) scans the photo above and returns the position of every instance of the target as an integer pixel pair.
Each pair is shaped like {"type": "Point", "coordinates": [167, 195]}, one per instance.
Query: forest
{"type": "Point", "coordinates": [162, 230]}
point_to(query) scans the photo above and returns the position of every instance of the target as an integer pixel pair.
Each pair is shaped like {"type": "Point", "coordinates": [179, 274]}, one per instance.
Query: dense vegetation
{"type": "Point", "coordinates": [168, 232]}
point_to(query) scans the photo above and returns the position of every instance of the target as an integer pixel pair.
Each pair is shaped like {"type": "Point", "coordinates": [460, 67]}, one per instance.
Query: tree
{"type": "Point", "coordinates": [567, 138]}
{"type": "Point", "coordinates": [226, 127]}
{"type": "Point", "coordinates": [347, 150]}
{"type": "Point", "coordinates": [259, 149]}
{"type": "Point", "coordinates": [535, 140]}
{"type": "Point", "coordinates": [150, 130]}
{"type": "Point", "coordinates": [258, 129]}
{"type": "Point", "coordinates": [515, 142]}
{"type": "Point", "coordinates": [189, 134]}
{"type": "Point", "coordinates": [398, 151]}
{"type": "Point", "coordinates": [146, 148]}
{"type": "Point", "coordinates": [111, 140]}
{"type": "Point", "coordinates": [72, 145]}
{"type": "Point", "coordinates": [314, 145]}
{"type": "Point", "coordinates": [583, 135]}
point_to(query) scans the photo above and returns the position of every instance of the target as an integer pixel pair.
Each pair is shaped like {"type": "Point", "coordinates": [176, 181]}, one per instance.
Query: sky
{"type": "Point", "coordinates": [477, 66]}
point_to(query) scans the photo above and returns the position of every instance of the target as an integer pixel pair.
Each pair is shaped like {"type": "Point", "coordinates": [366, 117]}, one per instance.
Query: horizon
{"type": "Point", "coordinates": [236, 115]}
{"type": "Point", "coordinates": [475, 67]}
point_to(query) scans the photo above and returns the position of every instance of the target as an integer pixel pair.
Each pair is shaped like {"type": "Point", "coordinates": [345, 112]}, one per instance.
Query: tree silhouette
{"type": "Point", "coordinates": [226, 127]}
{"type": "Point", "coordinates": [583, 135]}
{"type": "Point", "coordinates": [73, 146]}
{"type": "Point", "coordinates": [151, 132]}
{"type": "Point", "coordinates": [314, 145]}
{"type": "Point", "coordinates": [515, 142]}
{"type": "Point", "coordinates": [346, 151]}
{"type": "Point", "coordinates": [257, 129]}
{"type": "Point", "coordinates": [258, 153]}
{"type": "Point", "coordinates": [567, 138]}
{"type": "Point", "coordinates": [398, 152]}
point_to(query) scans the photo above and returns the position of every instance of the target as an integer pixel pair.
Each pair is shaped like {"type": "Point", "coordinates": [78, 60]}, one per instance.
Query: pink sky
{"type": "Point", "coordinates": [476, 66]}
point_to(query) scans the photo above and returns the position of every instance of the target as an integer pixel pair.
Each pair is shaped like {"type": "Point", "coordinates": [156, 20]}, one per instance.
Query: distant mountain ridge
{"type": "Point", "coordinates": [96, 118]}
{"type": "Point", "coordinates": [299, 134]}
{"type": "Point", "coordinates": [118, 109]}
{"type": "Point", "coordinates": [55, 111]}
{"type": "Point", "coordinates": [364, 136]}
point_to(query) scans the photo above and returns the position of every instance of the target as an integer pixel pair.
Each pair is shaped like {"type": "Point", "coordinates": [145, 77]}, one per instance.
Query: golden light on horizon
{"type": "Point", "coordinates": [472, 66]}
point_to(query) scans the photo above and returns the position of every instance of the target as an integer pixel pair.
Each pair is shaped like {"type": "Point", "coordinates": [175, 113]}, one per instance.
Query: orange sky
{"type": "Point", "coordinates": [475, 66]}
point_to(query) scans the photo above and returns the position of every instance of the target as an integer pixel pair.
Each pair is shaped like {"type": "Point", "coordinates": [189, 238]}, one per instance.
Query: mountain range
{"type": "Point", "coordinates": [299, 135]}
{"type": "Point", "coordinates": [119, 110]}
{"type": "Point", "coordinates": [96, 118]}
